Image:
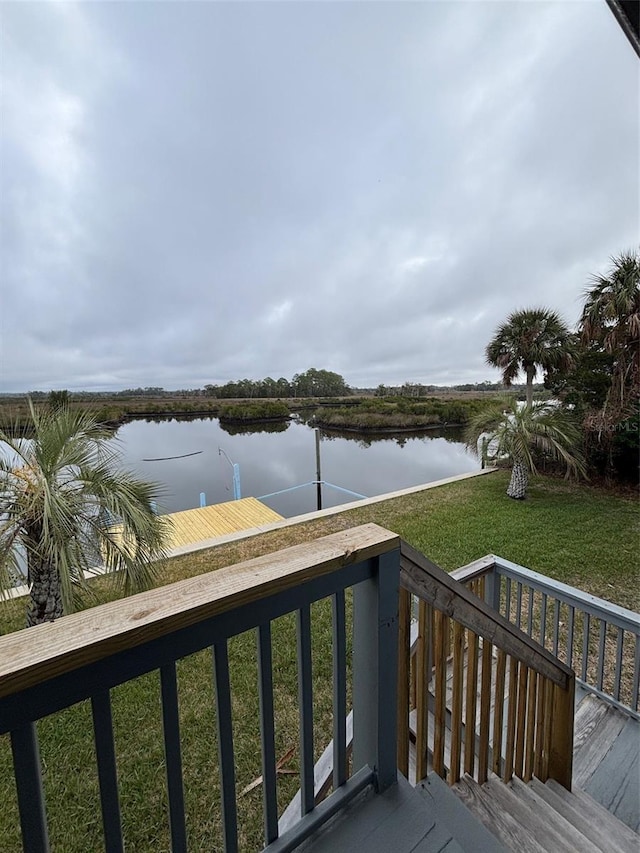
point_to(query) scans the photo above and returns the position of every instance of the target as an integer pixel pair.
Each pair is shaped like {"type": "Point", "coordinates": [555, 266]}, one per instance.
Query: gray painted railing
{"type": "Point", "coordinates": [48, 668]}
{"type": "Point", "coordinates": [598, 639]}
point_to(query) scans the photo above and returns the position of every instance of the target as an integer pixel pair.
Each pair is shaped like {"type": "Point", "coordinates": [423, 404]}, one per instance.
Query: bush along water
{"type": "Point", "coordinates": [376, 414]}
{"type": "Point", "coordinates": [263, 410]}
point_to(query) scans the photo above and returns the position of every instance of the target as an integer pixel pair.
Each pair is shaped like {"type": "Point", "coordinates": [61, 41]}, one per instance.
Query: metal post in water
{"type": "Point", "coordinates": [318, 474]}
{"type": "Point", "coordinates": [237, 493]}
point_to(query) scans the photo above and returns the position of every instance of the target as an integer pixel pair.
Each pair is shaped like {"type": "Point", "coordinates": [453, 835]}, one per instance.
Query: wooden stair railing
{"type": "Point", "coordinates": [457, 632]}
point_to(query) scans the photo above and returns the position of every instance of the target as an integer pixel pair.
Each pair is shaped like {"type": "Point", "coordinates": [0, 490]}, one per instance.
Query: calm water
{"type": "Point", "coordinates": [270, 461]}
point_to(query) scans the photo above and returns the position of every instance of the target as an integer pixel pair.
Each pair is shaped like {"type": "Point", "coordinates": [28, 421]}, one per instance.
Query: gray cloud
{"type": "Point", "coordinates": [199, 192]}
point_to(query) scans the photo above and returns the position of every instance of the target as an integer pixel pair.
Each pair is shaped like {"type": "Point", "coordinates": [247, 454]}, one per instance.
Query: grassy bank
{"type": "Point", "coordinates": [575, 533]}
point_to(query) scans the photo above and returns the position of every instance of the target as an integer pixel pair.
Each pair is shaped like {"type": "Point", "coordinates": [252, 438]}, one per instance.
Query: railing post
{"type": "Point", "coordinates": [375, 667]}
{"type": "Point", "coordinates": [404, 678]}
{"type": "Point", "coordinates": [561, 747]}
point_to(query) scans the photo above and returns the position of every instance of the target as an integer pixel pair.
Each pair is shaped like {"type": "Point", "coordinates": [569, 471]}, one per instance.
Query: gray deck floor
{"type": "Point", "coordinates": [398, 821]}
{"type": "Point", "coordinates": [607, 759]}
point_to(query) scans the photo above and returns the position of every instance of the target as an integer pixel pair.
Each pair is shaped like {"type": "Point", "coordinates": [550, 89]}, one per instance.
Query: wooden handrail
{"type": "Point", "coordinates": [41, 652]}
{"type": "Point", "coordinates": [429, 582]}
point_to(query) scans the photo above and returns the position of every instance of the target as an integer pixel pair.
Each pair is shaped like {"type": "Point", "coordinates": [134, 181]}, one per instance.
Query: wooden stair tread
{"type": "Point", "coordinates": [463, 825]}
{"type": "Point", "coordinates": [572, 836]}
{"type": "Point", "coordinates": [598, 815]}
{"type": "Point", "coordinates": [608, 835]}
{"type": "Point", "coordinates": [498, 820]}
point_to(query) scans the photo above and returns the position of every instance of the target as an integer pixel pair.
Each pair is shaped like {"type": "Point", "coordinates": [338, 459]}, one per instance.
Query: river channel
{"type": "Point", "coordinates": [273, 461]}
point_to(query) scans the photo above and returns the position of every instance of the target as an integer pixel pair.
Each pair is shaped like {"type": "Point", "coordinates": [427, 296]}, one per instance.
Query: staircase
{"type": "Point", "coordinates": [503, 748]}
{"type": "Point", "coordinates": [601, 813]}
{"type": "Point", "coordinates": [482, 721]}
{"type": "Point", "coordinates": [542, 818]}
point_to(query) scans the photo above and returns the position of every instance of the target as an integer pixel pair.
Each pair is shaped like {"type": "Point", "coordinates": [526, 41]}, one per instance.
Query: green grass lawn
{"type": "Point", "coordinates": [575, 533]}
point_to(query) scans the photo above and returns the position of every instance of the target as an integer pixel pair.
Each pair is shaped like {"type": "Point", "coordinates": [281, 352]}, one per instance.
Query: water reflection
{"type": "Point", "coordinates": [272, 460]}
{"type": "Point", "coordinates": [452, 434]}
{"type": "Point", "coordinates": [254, 428]}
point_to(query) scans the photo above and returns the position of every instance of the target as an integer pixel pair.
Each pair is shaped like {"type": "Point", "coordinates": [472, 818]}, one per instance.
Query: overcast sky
{"type": "Point", "coordinates": [199, 192]}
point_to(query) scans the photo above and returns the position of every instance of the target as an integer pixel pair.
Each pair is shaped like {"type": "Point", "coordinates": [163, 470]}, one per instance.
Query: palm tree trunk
{"type": "Point", "coordinates": [45, 602]}
{"type": "Point", "coordinates": [519, 481]}
{"type": "Point", "coordinates": [531, 372]}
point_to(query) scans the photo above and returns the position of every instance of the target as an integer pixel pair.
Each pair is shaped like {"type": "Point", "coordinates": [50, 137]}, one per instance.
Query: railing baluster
{"type": "Point", "coordinates": [498, 712]}
{"type": "Point", "coordinates": [470, 704]}
{"type": "Point", "coordinates": [402, 693]}
{"type": "Point", "coordinates": [570, 633]}
{"type": "Point", "coordinates": [530, 613]}
{"type": "Point", "coordinates": [618, 675]}
{"type": "Point", "coordinates": [441, 632]}
{"type": "Point", "coordinates": [543, 619]}
{"type": "Point", "coordinates": [107, 773]}
{"type": "Point", "coordinates": [556, 626]}
{"type": "Point", "coordinates": [507, 606]}
{"type": "Point", "coordinates": [456, 702]}
{"type": "Point", "coordinates": [423, 676]}
{"type": "Point", "coordinates": [548, 724]}
{"type": "Point", "coordinates": [601, 648]}
{"type": "Point", "coordinates": [530, 732]}
{"type": "Point", "coordinates": [171, 734]}
{"type": "Point", "coordinates": [413, 693]}
{"type": "Point", "coordinates": [305, 703]}
{"type": "Point", "coordinates": [520, 724]}
{"type": "Point", "coordinates": [339, 691]}
{"type": "Point", "coordinates": [28, 774]}
{"type": "Point", "coordinates": [540, 722]}
{"type": "Point", "coordinates": [225, 747]}
{"type": "Point", "coordinates": [485, 711]}
{"type": "Point", "coordinates": [511, 719]}
{"type": "Point", "coordinates": [519, 605]}
{"type": "Point", "coordinates": [586, 628]}
{"type": "Point", "coordinates": [267, 735]}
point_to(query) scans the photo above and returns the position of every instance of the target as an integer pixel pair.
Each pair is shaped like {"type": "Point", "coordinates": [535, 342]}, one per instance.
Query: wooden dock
{"type": "Point", "coordinates": [195, 525]}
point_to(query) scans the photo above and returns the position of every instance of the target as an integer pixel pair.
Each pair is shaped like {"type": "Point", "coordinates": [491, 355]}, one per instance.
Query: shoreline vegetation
{"type": "Point", "coordinates": [348, 414]}
{"type": "Point", "coordinates": [397, 415]}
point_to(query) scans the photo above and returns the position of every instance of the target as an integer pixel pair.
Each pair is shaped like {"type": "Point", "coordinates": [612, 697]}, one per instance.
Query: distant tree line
{"type": "Point", "coordinates": [417, 389]}
{"type": "Point", "coordinates": [311, 383]}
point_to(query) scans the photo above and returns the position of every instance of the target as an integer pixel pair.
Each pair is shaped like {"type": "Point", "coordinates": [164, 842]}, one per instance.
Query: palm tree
{"type": "Point", "coordinates": [523, 433]}
{"type": "Point", "coordinates": [611, 319]}
{"type": "Point", "coordinates": [530, 339]}
{"type": "Point", "coordinates": [65, 507]}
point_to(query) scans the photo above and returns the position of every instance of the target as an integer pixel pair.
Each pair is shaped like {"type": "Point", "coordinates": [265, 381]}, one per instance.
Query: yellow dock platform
{"type": "Point", "coordinates": [195, 525]}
